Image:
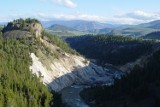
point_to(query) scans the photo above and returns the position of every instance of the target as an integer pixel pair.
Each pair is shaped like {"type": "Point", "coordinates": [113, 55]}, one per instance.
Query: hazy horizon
{"type": "Point", "coordinates": [114, 12]}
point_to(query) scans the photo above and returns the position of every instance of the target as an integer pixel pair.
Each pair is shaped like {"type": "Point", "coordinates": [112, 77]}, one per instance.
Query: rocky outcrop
{"type": "Point", "coordinates": [18, 30]}
{"type": "Point", "coordinates": [11, 26]}
{"type": "Point", "coordinates": [37, 29]}
{"type": "Point", "coordinates": [17, 34]}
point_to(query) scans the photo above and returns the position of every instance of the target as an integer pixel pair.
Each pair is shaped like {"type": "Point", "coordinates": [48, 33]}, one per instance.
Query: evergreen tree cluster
{"type": "Point", "coordinates": [140, 88]}
{"type": "Point", "coordinates": [28, 20]}
{"type": "Point", "coordinates": [55, 40]}
{"type": "Point", "coordinates": [116, 50]}
{"type": "Point", "coordinates": [18, 86]}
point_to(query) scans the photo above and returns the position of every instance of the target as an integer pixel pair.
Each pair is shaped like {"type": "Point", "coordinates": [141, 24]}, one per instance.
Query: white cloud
{"type": "Point", "coordinates": [46, 17]}
{"type": "Point", "coordinates": [143, 15]}
{"type": "Point", "coordinates": [67, 3]}
{"type": "Point", "coordinates": [135, 17]}
{"type": "Point", "coordinates": [117, 20]}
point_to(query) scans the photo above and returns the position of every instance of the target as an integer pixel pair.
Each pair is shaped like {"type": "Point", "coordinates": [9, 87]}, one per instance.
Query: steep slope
{"type": "Point", "coordinates": [68, 69]}
{"type": "Point", "coordinates": [59, 70]}
{"type": "Point", "coordinates": [18, 87]}
{"type": "Point", "coordinates": [140, 88]}
{"type": "Point", "coordinates": [110, 49]}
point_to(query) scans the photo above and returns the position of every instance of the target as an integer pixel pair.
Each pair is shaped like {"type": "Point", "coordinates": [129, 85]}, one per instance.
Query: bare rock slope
{"type": "Point", "coordinates": [70, 69]}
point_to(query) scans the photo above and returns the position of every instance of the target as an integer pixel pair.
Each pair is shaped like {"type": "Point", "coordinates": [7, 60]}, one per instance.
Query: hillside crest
{"type": "Point", "coordinates": [20, 28]}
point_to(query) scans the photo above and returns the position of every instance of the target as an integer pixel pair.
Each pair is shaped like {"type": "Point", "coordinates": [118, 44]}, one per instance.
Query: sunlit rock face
{"type": "Point", "coordinates": [37, 29]}
{"type": "Point", "coordinates": [67, 69]}
{"type": "Point", "coordinates": [71, 69]}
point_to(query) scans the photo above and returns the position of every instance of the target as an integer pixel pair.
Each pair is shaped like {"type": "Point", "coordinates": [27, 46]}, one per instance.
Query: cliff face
{"type": "Point", "coordinates": [37, 29]}
{"type": "Point", "coordinates": [19, 30]}
{"type": "Point", "coordinates": [70, 69]}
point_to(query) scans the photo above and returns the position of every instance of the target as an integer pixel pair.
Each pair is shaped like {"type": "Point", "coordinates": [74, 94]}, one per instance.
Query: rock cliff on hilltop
{"type": "Point", "coordinates": [19, 28]}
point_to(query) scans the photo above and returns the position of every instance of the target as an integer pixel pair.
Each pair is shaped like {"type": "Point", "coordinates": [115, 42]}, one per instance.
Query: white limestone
{"type": "Point", "coordinates": [68, 70]}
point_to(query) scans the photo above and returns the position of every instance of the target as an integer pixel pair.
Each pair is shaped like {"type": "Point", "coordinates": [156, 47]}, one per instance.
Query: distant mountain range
{"type": "Point", "coordinates": [137, 30]}
{"type": "Point", "coordinates": [80, 25]}
{"type": "Point", "coordinates": [58, 27]}
{"type": "Point", "coordinates": [61, 30]}
{"type": "Point", "coordinates": [101, 31]}
{"type": "Point", "coordinates": [94, 27]}
{"type": "Point", "coordinates": [153, 35]}
{"type": "Point", "coordinates": [153, 25]}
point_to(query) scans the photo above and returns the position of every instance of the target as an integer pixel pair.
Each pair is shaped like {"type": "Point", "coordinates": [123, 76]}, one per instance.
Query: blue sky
{"type": "Point", "coordinates": [110, 11]}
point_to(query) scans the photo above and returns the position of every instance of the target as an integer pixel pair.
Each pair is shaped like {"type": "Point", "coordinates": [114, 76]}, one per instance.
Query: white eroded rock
{"type": "Point", "coordinates": [69, 70]}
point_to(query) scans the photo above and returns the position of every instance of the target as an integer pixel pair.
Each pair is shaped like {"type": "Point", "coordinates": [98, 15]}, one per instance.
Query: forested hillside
{"type": "Point", "coordinates": [140, 88]}
{"type": "Point", "coordinates": [18, 86]}
{"type": "Point", "coordinates": [116, 50]}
